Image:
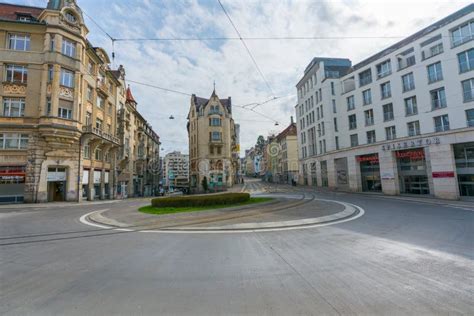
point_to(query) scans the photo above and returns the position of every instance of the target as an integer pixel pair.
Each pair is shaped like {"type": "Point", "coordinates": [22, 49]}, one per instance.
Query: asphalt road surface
{"type": "Point", "coordinates": [401, 257]}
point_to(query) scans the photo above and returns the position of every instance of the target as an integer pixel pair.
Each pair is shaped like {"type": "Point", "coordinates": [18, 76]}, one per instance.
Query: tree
{"type": "Point", "coordinates": [260, 144]}
{"type": "Point", "coordinates": [204, 184]}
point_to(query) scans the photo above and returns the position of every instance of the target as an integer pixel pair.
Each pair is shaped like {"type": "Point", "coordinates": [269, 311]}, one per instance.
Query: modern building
{"type": "Point", "coordinates": [59, 98]}
{"type": "Point", "coordinates": [176, 171]}
{"type": "Point", "coordinates": [213, 143]}
{"type": "Point", "coordinates": [399, 122]}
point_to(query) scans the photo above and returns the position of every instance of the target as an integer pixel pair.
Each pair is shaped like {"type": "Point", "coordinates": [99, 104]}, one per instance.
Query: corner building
{"type": "Point", "coordinates": [399, 122]}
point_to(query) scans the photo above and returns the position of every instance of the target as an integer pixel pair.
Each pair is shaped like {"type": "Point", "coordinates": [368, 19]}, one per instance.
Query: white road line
{"type": "Point", "coordinates": [361, 212]}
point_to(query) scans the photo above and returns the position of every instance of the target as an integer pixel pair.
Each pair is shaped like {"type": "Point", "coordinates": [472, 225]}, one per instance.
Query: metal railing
{"type": "Point", "coordinates": [98, 132]}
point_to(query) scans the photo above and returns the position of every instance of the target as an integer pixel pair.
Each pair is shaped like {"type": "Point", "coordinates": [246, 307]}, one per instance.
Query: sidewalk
{"type": "Point", "coordinates": [64, 204]}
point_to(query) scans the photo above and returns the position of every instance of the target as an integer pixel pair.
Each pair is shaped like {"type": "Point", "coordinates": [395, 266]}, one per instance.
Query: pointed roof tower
{"type": "Point", "coordinates": [130, 97]}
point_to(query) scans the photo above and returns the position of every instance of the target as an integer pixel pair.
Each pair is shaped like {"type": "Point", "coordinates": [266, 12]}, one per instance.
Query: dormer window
{"type": "Point", "coordinates": [70, 17]}
{"type": "Point", "coordinates": [23, 17]}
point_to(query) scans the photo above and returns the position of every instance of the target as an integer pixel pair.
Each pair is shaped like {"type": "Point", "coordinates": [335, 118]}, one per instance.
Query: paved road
{"type": "Point", "coordinates": [401, 257]}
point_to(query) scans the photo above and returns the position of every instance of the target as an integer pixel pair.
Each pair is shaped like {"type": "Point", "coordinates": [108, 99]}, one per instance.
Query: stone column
{"type": "Point", "coordinates": [443, 164]}
{"type": "Point", "coordinates": [90, 189]}
{"type": "Point", "coordinates": [331, 173]}
{"type": "Point", "coordinates": [389, 173]}
{"type": "Point", "coordinates": [55, 90]}
{"type": "Point", "coordinates": [354, 176]}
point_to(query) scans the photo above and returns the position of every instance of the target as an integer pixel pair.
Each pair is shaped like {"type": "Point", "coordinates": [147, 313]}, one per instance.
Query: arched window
{"type": "Point", "coordinates": [70, 17]}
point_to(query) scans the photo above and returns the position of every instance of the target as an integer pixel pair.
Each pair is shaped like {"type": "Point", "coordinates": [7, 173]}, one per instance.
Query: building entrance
{"type": "Point", "coordinates": [412, 171]}
{"type": "Point", "coordinates": [56, 184]}
{"type": "Point", "coordinates": [370, 172]}
{"type": "Point", "coordinates": [464, 155]}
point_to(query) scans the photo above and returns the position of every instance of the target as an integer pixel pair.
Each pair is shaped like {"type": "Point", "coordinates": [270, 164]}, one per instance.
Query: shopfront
{"type": "Point", "coordinates": [56, 184]}
{"type": "Point", "coordinates": [370, 172]}
{"type": "Point", "coordinates": [412, 171]}
{"type": "Point", "coordinates": [12, 184]}
{"type": "Point", "coordinates": [464, 155]}
{"type": "Point", "coordinates": [97, 178]}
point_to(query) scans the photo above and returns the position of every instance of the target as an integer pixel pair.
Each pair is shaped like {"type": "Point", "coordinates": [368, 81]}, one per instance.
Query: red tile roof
{"type": "Point", "coordinates": [9, 11]}
{"type": "Point", "coordinates": [130, 96]}
{"type": "Point", "coordinates": [289, 131]}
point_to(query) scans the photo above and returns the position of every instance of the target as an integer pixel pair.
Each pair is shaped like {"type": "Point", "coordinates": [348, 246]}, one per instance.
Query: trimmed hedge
{"type": "Point", "coordinates": [201, 200]}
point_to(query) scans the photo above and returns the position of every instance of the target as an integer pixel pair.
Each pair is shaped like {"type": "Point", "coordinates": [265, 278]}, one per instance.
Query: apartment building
{"type": "Point", "coordinates": [59, 97]}
{"type": "Point", "coordinates": [213, 143]}
{"type": "Point", "coordinates": [176, 171]}
{"type": "Point", "coordinates": [398, 122]}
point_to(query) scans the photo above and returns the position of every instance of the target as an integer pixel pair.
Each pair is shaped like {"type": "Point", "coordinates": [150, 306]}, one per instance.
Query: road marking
{"type": "Point", "coordinates": [84, 219]}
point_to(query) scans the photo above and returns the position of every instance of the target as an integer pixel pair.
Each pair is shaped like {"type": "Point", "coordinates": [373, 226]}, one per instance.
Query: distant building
{"type": "Point", "coordinates": [213, 143]}
{"type": "Point", "coordinates": [176, 171]}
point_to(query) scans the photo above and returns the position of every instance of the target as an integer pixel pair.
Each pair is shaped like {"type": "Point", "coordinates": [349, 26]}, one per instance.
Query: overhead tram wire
{"type": "Point", "coordinates": [248, 50]}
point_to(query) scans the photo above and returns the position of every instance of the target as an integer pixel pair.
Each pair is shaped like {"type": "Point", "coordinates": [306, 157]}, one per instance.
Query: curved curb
{"type": "Point", "coordinates": [350, 212]}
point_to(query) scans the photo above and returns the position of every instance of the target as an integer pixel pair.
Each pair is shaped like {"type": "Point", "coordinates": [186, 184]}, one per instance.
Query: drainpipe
{"type": "Point", "coordinates": [79, 171]}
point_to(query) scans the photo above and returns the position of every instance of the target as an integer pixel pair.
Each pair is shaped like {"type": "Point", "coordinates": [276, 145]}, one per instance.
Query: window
{"type": "Point", "coordinates": [19, 42]}
{"type": "Point", "coordinates": [214, 121]}
{"type": "Point", "coordinates": [87, 152]}
{"type": "Point", "coordinates": [100, 102]}
{"type": "Point", "coordinates": [17, 74]}
{"type": "Point", "coordinates": [88, 118]}
{"type": "Point", "coordinates": [462, 34]}
{"type": "Point", "coordinates": [14, 107]}
{"type": "Point", "coordinates": [371, 137]}
{"type": "Point", "coordinates": [384, 69]}
{"type": "Point", "coordinates": [365, 77]}
{"type": "Point", "coordinates": [354, 140]}
{"type": "Point", "coordinates": [13, 141]}
{"type": "Point", "coordinates": [366, 97]}
{"type": "Point", "coordinates": [352, 121]}
{"type": "Point", "coordinates": [24, 17]}
{"type": "Point", "coordinates": [216, 136]}
{"type": "Point", "coordinates": [470, 117]}
{"type": "Point", "coordinates": [385, 90]}
{"type": "Point", "coordinates": [323, 131]}
{"type": "Point", "coordinates": [408, 82]}
{"type": "Point", "coordinates": [70, 17]}
{"type": "Point", "coordinates": [50, 73]}
{"type": "Point", "coordinates": [435, 72]}
{"type": "Point", "coordinates": [90, 93]}
{"type": "Point", "coordinates": [333, 91]}
{"type": "Point", "coordinates": [64, 113]}
{"type": "Point", "coordinates": [438, 99]}
{"type": "Point", "coordinates": [68, 48]}
{"type": "Point", "coordinates": [468, 90]}
{"type": "Point", "coordinates": [388, 112]}
{"type": "Point", "coordinates": [441, 123]}
{"type": "Point", "coordinates": [52, 43]}
{"type": "Point", "coordinates": [369, 117]}
{"type": "Point", "coordinates": [390, 132]}
{"type": "Point", "coordinates": [466, 60]}
{"type": "Point", "coordinates": [410, 106]}
{"type": "Point", "coordinates": [336, 140]}
{"type": "Point", "coordinates": [432, 51]}
{"type": "Point", "coordinates": [406, 59]}
{"type": "Point", "coordinates": [98, 154]}
{"type": "Point", "coordinates": [334, 108]}
{"type": "Point", "coordinates": [90, 68]}
{"type": "Point", "coordinates": [335, 124]}
{"type": "Point", "coordinates": [98, 123]}
{"type": "Point", "coordinates": [48, 106]}
{"type": "Point", "coordinates": [413, 128]}
{"type": "Point", "coordinates": [67, 78]}
{"type": "Point", "coordinates": [350, 103]}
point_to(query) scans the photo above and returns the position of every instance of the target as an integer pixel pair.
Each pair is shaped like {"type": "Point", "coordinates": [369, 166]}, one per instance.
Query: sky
{"type": "Point", "coordinates": [193, 66]}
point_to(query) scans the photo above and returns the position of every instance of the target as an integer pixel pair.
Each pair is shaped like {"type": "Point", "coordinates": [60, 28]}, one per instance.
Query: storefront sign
{"type": "Point", "coordinates": [412, 154]}
{"type": "Point", "coordinates": [388, 176]}
{"type": "Point", "coordinates": [443, 174]}
{"type": "Point", "coordinates": [56, 175]}
{"type": "Point", "coordinates": [412, 143]}
{"type": "Point", "coordinates": [369, 158]}
{"type": "Point", "coordinates": [97, 176]}
{"type": "Point", "coordinates": [85, 177]}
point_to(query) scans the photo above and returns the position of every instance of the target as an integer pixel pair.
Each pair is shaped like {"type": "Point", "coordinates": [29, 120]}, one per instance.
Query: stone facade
{"type": "Point", "coordinates": [213, 143]}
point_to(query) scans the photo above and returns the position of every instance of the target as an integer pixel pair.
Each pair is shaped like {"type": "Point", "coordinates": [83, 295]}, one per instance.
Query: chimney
{"type": "Point", "coordinates": [292, 119]}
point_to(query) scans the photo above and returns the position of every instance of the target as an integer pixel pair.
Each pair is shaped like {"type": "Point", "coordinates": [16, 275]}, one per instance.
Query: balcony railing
{"type": "Point", "coordinates": [470, 123]}
{"type": "Point", "coordinates": [100, 133]}
{"type": "Point", "coordinates": [438, 104]}
{"type": "Point", "coordinates": [369, 121]}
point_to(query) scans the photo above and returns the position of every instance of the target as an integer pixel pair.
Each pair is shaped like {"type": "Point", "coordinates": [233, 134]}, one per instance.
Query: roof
{"type": "Point", "coordinates": [9, 11]}
{"type": "Point", "coordinates": [202, 102]}
{"type": "Point", "coordinates": [130, 97]}
{"type": "Point", "coordinates": [433, 27]}
{"type": "Point", "coordinates": [289, 131]}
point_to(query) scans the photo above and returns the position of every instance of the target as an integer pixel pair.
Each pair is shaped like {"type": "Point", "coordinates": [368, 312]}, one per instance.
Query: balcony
{"type": "Point", "coordinates": [89, 129]}
{"type": "Point", "coordinates": [103, 88]}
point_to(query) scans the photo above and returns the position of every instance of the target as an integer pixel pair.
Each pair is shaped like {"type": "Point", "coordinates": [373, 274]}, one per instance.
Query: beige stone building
{"type": "Point", "coordinates": [287, 159]}
{"type": "Point", "coordinates": [213, 143]}
{"type": "Point", "coordinates": [59, 98]}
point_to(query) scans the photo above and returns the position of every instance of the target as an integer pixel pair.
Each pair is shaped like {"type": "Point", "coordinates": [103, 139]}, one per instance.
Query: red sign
{"type": "Point", "coordinates": [412, 154]}
{"type": "Point", "coordinates": [371, 158]}
{"type": "Point", "coordinates": [443, 174]}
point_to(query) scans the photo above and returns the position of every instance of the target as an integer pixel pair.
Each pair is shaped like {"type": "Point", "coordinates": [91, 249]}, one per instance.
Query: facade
{"type": "Point", "coordinates": [399, 122]}
{"type": "Point", "coordinates": [287, 159]}
{"type": "Point", "coordinates": [213, 143]}
{"type": "Point", "coordinates": [59, 97]}
{"type": "Point", "coordinates": [176, 171]}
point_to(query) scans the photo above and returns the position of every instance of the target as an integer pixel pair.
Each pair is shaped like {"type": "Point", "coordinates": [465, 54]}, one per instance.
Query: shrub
{"type": "Point", "coordinates": [201, 200]}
